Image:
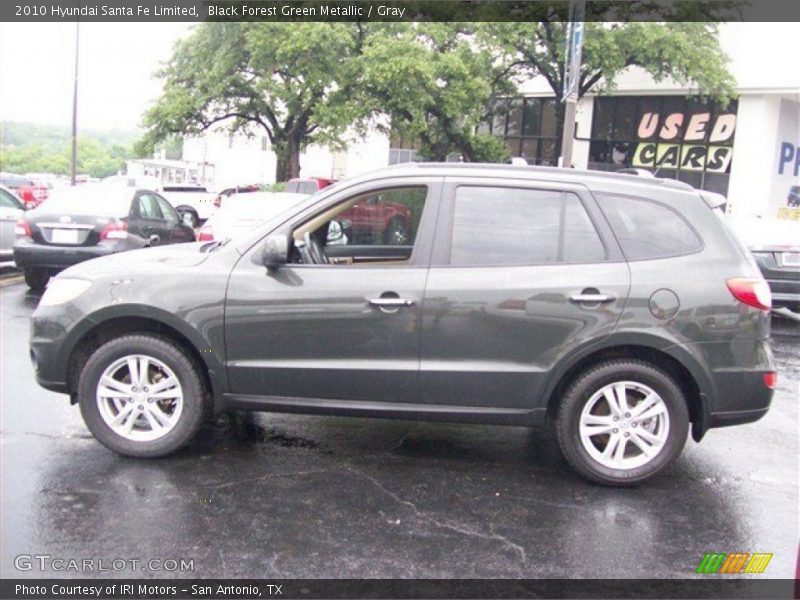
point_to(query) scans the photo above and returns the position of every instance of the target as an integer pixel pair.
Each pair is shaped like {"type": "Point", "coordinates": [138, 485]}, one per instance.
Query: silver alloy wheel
{"type": "Point", "coordinates": [139, 398]}
{"type": "Point", "coordinates": [624, 425]}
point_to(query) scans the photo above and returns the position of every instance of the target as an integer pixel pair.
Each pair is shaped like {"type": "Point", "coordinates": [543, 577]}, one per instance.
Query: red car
{"type": "Point", "coordinates": [309, 186]}
{"type": "Point", "coordinates": [31, 192]}
{"type": "Point", "coordinates": [368, 221]}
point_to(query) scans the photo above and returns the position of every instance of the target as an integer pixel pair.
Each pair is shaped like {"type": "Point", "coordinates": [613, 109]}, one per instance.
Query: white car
{"type": "Point", "coordinates": [11, 211]}
{"type": "Point", "coordinates": [243, 212]}
{"type": "Point", "coordinates": [194, 203]}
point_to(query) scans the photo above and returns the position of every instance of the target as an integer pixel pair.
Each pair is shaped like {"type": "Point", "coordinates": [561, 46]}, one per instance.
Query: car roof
{"type": "Point", "coordinates": [521, 172]}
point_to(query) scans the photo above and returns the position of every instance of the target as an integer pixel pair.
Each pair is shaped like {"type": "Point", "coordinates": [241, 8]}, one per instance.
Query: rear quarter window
{"type": "Point", "coordinates": [648, 230]}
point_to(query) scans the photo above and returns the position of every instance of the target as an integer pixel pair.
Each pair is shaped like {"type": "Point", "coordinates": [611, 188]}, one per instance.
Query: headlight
{"type": "Point", "coordinates": [63, 289]}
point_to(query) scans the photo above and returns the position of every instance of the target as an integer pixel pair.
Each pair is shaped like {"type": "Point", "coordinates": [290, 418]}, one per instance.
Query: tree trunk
{"type": "Point", "coordinates": [288, 160]}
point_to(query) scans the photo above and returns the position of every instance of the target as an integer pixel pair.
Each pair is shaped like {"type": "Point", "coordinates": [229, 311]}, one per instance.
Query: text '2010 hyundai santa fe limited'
{"type": "Point", "coordinates": [621, 309]}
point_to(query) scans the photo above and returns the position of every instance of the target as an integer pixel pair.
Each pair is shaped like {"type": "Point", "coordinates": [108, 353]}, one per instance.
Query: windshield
{"type": "Point", "coordinates": [100, 200]}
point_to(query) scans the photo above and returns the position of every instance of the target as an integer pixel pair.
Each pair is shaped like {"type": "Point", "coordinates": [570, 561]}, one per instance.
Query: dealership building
{"type": "Point", "coordinates": [748, 150]}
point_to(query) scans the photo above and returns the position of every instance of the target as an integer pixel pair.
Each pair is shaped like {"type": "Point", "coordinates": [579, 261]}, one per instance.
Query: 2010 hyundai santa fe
{"type": "Point", "coordinates": [620, 308]}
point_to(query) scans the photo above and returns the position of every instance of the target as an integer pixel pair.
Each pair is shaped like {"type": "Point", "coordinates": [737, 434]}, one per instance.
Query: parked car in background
{"type": "Point", "coordinates": [309, 185]}
{"type": "Point", "coordinates": [522, 295]}
{"type": "Point", "coordinates": [775, 244]}
{"type": "Point", "coordinates": [92, 220]}
{"type": "Point", "coordinates": [194, 202]}
{"type": "Point", "coordinates": [793, 198]}
{"type": "Point", "coordinates": [242, 213]}
{"type": "Point", "coordinates": [30, 191]}
{"type": "Point", "coordinates": [233, 191]}
{"type": "Point", "coordinates": [11, 210]}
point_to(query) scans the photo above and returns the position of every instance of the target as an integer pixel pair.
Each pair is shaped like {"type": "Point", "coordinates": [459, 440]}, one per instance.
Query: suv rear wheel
{"type": "Point", "coordinates": [622, 422]}
{"type": "Point", "coordinates": [142, 396]}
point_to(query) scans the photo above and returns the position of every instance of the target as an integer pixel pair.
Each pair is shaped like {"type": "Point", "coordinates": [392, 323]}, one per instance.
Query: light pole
{"type": "Point", "coordinates": [572, 77]}
{"type": "Point", "coordinates": [74, 161]}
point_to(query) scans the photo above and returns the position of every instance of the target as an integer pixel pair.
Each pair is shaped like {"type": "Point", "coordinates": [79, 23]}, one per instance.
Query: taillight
{"type": "Point", "coordinates": [218, 201]}
{"type": "Point", "coordinates": [753, 292]}
{"type": "Point", "coordinates": [22, 229]}
{"type": "Point", "coordinates": [771, 379]}
{"type": "Point", "coordinates": [206, 234]}
{"type": "Point", "coordinates": [116, 230]}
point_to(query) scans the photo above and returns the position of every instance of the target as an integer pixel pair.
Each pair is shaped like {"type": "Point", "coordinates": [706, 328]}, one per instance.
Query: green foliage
{"type": "Point", "coordinates": [279, 186]}
{"type": "Point", "coordinates": [30, 148]}
{"type": "Point", "coordinates": [309, 83]}
{"type": "Point", "coordinates": [296, 81]}
{"type": "Point", "coordinates": [435, 82]}
{"type": "Point", "coordinates": [687, 52]}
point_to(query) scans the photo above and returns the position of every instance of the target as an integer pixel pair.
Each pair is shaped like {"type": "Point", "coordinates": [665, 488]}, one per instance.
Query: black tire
{"type": "Point", "coordinates": [196, 403]}
{"type": "Point", "coordinates": [36, 278]}
{"type": "Point", "coordinates": [593, 380]}
{"type": "Point", "coordinates": [397, 232]}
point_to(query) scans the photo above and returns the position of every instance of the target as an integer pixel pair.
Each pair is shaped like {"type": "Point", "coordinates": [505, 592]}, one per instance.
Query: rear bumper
{"type": "Point", "coordinates": [736, 417]}
{"type": "Point", "coordinates": [741, 394]}
{"type": "Point", "coordinates": [784, 291]}
{"type": "Point", "coordinates": [784, 282]}
{"type": "Point", "coordinates": [30, 254]}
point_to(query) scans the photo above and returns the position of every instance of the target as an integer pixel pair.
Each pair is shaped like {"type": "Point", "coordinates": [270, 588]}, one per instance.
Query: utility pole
{"type": "Point", "coordinates": [74, 160]}
{"type": "Point", "coordinates": [572, 77]}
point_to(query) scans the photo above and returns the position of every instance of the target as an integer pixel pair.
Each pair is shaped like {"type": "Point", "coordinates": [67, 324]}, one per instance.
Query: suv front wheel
{"type": "Point", "coordinates": [622, 422]}
{"type": "Point", "coordinates": [142, 396]}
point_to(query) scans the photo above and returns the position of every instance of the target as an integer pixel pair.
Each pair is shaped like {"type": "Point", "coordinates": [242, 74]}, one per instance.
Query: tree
{"type": "Point", "coordinates": [687, 52]}
{"type": "Point", "coordinates": [295, 81]}
{"type": "Point", "coordinates": [435, 84]}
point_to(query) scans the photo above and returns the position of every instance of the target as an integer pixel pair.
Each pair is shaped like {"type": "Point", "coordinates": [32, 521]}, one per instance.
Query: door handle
{"type": "Point", "coordinates": [593, 297]}
{"type": "Point", "coordinates": [390, 302]}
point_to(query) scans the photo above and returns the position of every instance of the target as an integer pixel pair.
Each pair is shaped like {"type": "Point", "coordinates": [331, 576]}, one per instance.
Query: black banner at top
{"type": "Point", "coordinates": [395, 10]}
{"type": "Point", "coordinates": [391, 589]}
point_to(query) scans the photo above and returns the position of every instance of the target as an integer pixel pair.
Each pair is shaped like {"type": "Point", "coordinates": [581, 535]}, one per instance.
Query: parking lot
{"type": "Point", "coordinates": [302, 496]}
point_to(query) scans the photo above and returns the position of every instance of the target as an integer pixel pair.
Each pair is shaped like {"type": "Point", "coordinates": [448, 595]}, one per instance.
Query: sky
{"type": "Point", "coordinates": [118, 60]}
{"type": "Point", "coordinates": [115, 75]}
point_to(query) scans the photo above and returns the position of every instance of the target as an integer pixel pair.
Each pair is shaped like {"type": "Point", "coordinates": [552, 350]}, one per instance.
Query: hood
{"type": "Point", "coordinates": [176, 256]}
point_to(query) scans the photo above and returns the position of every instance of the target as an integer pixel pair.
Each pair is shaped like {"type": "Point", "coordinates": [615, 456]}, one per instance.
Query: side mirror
{"type": "Point", "coordinates": [276, 250]}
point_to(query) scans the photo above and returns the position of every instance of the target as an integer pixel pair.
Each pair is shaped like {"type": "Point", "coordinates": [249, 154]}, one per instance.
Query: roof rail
{"type": "Point", "coordinates": [672, 183]}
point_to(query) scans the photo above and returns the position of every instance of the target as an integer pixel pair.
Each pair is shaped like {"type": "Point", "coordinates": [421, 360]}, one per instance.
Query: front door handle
{"type": "Point", "coordinates": [390, 302]}
{"type": "Point", "coordinates": [591, 296]}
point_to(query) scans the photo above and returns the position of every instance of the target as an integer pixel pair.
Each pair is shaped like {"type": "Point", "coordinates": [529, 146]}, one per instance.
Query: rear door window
{"type": "Point", "coordinates": [647, 230]}
{"type": "Point", "coordinates": [496, 226]}
{"type": "Point", "coordinates": [170, 214]}
{"type": "Point", "coordinates": [148, 207]}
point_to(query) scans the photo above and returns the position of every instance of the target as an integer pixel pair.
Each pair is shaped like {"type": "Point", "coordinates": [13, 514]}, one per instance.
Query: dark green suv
{"type": "Point", "coordinates": [617, 307]}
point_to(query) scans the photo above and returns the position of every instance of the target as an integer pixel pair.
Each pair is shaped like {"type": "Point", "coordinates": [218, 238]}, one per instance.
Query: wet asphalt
{"type": "Point", "coordinates": [304, 496]}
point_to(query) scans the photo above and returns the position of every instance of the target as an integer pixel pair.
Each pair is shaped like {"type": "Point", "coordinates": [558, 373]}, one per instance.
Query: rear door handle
{"type": "Point", "coordinates": [591, 297]}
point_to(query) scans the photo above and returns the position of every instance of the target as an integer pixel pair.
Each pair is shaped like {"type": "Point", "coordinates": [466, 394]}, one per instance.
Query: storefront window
{"type": "Point", "coordinates": [675, 137]}
{"type": "Point", "coordinates": [529, 127]}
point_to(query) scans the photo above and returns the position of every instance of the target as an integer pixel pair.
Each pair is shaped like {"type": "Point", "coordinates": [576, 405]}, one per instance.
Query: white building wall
{"type": "Point", "coordinates": [751, 167]}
